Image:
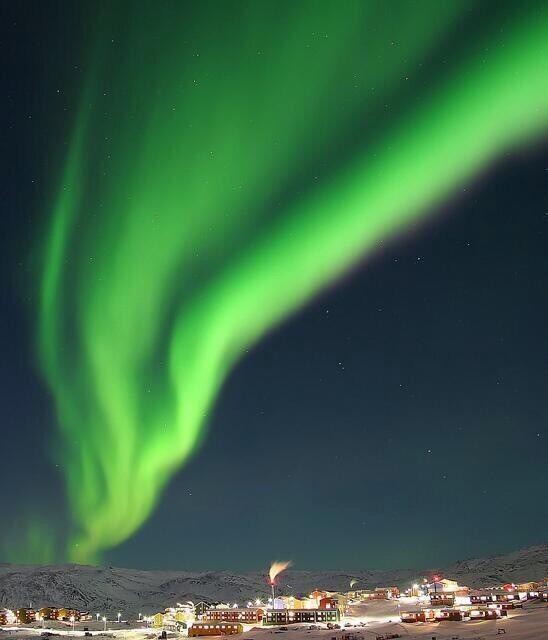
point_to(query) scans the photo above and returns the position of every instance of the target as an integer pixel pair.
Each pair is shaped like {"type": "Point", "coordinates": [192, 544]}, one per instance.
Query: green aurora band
{"type": "Point", "coordinates": [229, 161]}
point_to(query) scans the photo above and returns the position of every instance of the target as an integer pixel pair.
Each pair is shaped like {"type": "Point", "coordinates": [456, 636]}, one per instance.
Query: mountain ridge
{"type": "Point", "coordinates": [110, 589]}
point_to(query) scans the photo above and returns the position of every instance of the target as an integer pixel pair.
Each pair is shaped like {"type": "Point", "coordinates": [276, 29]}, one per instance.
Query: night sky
{"type": "Point", "coordinates": [396, 419]}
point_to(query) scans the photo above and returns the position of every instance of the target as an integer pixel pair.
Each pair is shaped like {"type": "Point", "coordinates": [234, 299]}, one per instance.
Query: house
{"type": "Point", "coordinates": [452, 615]}
{"type": "Point", "coordinates": [419, 615]}
{"type": "Point", "coordinates": [481, 613]}
{"type": "Point", "coordinates": [363, 594]}
{"type": "Point", "coordinates": [157, 619]}
{"type": "Point", "coordinates": [67, 614]}
{"type": "Point", "coordinates": [317, 595]}
{"type": "Point", "coordinates": [48, 613]}
{"type": "Point", "coordinates": [504, 606]}
{"type": "Point", "coordinates": [7, 616]}
{"type": "Point", "coordinates": [334, 601]}
{"type": "Point", "coordinates": [527, 586]}
{"type": "Point", "coordinates": [182, 613]}
{"type": "Point", "coordinates": [25, 616]}
{"type": "Point", "coordinates": [173, 619]}
{"type": "Point", "coordinates": [462, 597]}
{"type": "Point", "coordinates": [493, 595]}
{"type": "Point", "coordinates": [296, 616]}
{"type": "Point", "coordinates": [357, 594]}
{"type": "Point", "coordinates": [449, 586]}
{"type": "Point", "coordinates": [291, 602]}
{"type": "Point", "coordinates": [214, 628]}
{"type": "Point", "coordinates": [442, 599]}
{"type": "Point", "coordinates": [245, 616]}
{"type": "Point", "coordinates": [200, 608]}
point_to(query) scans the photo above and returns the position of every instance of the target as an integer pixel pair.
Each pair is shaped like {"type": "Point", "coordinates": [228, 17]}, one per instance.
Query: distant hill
{"type": "Point", "coordinates": [109, 589]}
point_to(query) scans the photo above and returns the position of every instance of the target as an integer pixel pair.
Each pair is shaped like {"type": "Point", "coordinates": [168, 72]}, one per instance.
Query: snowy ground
{"type": "Point", "coordinates": [380, 618]}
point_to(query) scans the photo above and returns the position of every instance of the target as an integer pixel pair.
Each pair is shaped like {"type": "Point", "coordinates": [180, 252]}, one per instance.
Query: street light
{"type": "Point", "coordinates": [140, 616]}
{"type": "Point", "coordinates": [119, 616]}
{"type": "Point", "coordinates": [97, 616]}
{"type": "Point", "coordinates": [104, 623]}
{"type": "Point", "coordinates": [72, 619]}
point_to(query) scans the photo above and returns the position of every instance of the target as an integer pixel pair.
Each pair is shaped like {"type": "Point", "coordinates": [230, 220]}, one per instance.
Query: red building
{"type": "Point", "coordinates": [424, 615]}
{"type": "Point", "coordinates": [486, 597]}
{"type": "Point", "coordinates": [245, 616]}
{"type": "Point", "coordinates": [485, 614]}
{"type": "Point", "coordinates": [214, 628]}
{"type": "Point", "coordinates": [451, 615]}
{"type": "Point", "coordinates": [328, 603]}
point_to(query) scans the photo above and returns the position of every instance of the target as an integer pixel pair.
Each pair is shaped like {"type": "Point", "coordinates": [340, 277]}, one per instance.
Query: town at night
{"type": "Point", "coordinates": [433, 606]}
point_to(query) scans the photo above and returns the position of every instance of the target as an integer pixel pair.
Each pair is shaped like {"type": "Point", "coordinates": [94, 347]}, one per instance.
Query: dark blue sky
{"type": "Point", "coordinates": [399, 420]}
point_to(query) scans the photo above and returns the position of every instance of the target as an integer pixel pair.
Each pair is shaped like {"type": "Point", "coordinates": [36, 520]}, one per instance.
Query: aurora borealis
{"type": "Point", "coordinates": [227, 163]}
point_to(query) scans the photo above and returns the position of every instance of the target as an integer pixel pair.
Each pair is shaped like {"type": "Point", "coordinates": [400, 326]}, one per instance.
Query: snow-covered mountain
{"type": "Point", "coordinates": [109, 589]}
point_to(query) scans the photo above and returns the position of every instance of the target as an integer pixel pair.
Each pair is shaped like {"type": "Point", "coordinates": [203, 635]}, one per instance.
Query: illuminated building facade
{"type": "Point", "coordinates": [214, 628]}
{"type": "Point", "coordinates": [48, 613]}
{"type": "Point", "coordinates": [246, 616]}
{"type": "Point", "coordinates": [291, 602]}
{"type": "Point", "coordinates": [423, 615]}
{"type": "Point", "coordinates": [7, 616]}
{"type": "Point", "coordinates": [452, 615]}
{"type": "Point", "coordinates": [442, 599]}
{"type": "Point", "coordinates": [295, 616]}
{"type": "Point", "coordinates": [485, 597]}
{"type": "Point", "coordinates": [24, 616]}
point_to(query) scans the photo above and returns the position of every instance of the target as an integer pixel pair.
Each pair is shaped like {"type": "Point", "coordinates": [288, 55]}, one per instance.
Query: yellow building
{"type": "Point", "coordinates": [291, 602]}
{"type": "Point", "coordinates": [66, 614]}
{"type": "Point", "coordinates": [449, 586]}
{"type": "Point", "coordinates": [527, 586]}
{"type": "Point", "coordinates": [48, 613]}
{"type": "Point", "coordinates": [157, 620]}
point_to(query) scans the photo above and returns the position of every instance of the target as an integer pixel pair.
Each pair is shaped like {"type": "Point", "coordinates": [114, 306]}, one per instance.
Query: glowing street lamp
{"type": "Point", "coordinates": [104, 623]}
{"type": "Point", "coordinates": [97, 616]}
{"type": "Point", "coordinates": [72, 619]}
{"type": "Point", "coordinates": [119, 616]}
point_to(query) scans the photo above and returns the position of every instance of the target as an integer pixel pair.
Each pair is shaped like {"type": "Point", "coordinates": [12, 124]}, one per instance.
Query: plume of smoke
{"type": "Point", "coordinates": [276, 568]}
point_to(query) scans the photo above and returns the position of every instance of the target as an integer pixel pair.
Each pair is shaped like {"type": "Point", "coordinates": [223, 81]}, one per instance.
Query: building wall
{"type": "Point", "coordinates": [249, 615]}
{"type": "Point", "coordinates": [295, 616]}
{"type": "Point", "coordinates": [214, 628]}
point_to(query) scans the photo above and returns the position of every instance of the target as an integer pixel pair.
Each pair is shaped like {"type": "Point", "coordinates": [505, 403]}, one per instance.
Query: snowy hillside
{"type": "Point", "coordinates": [109, 590]}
